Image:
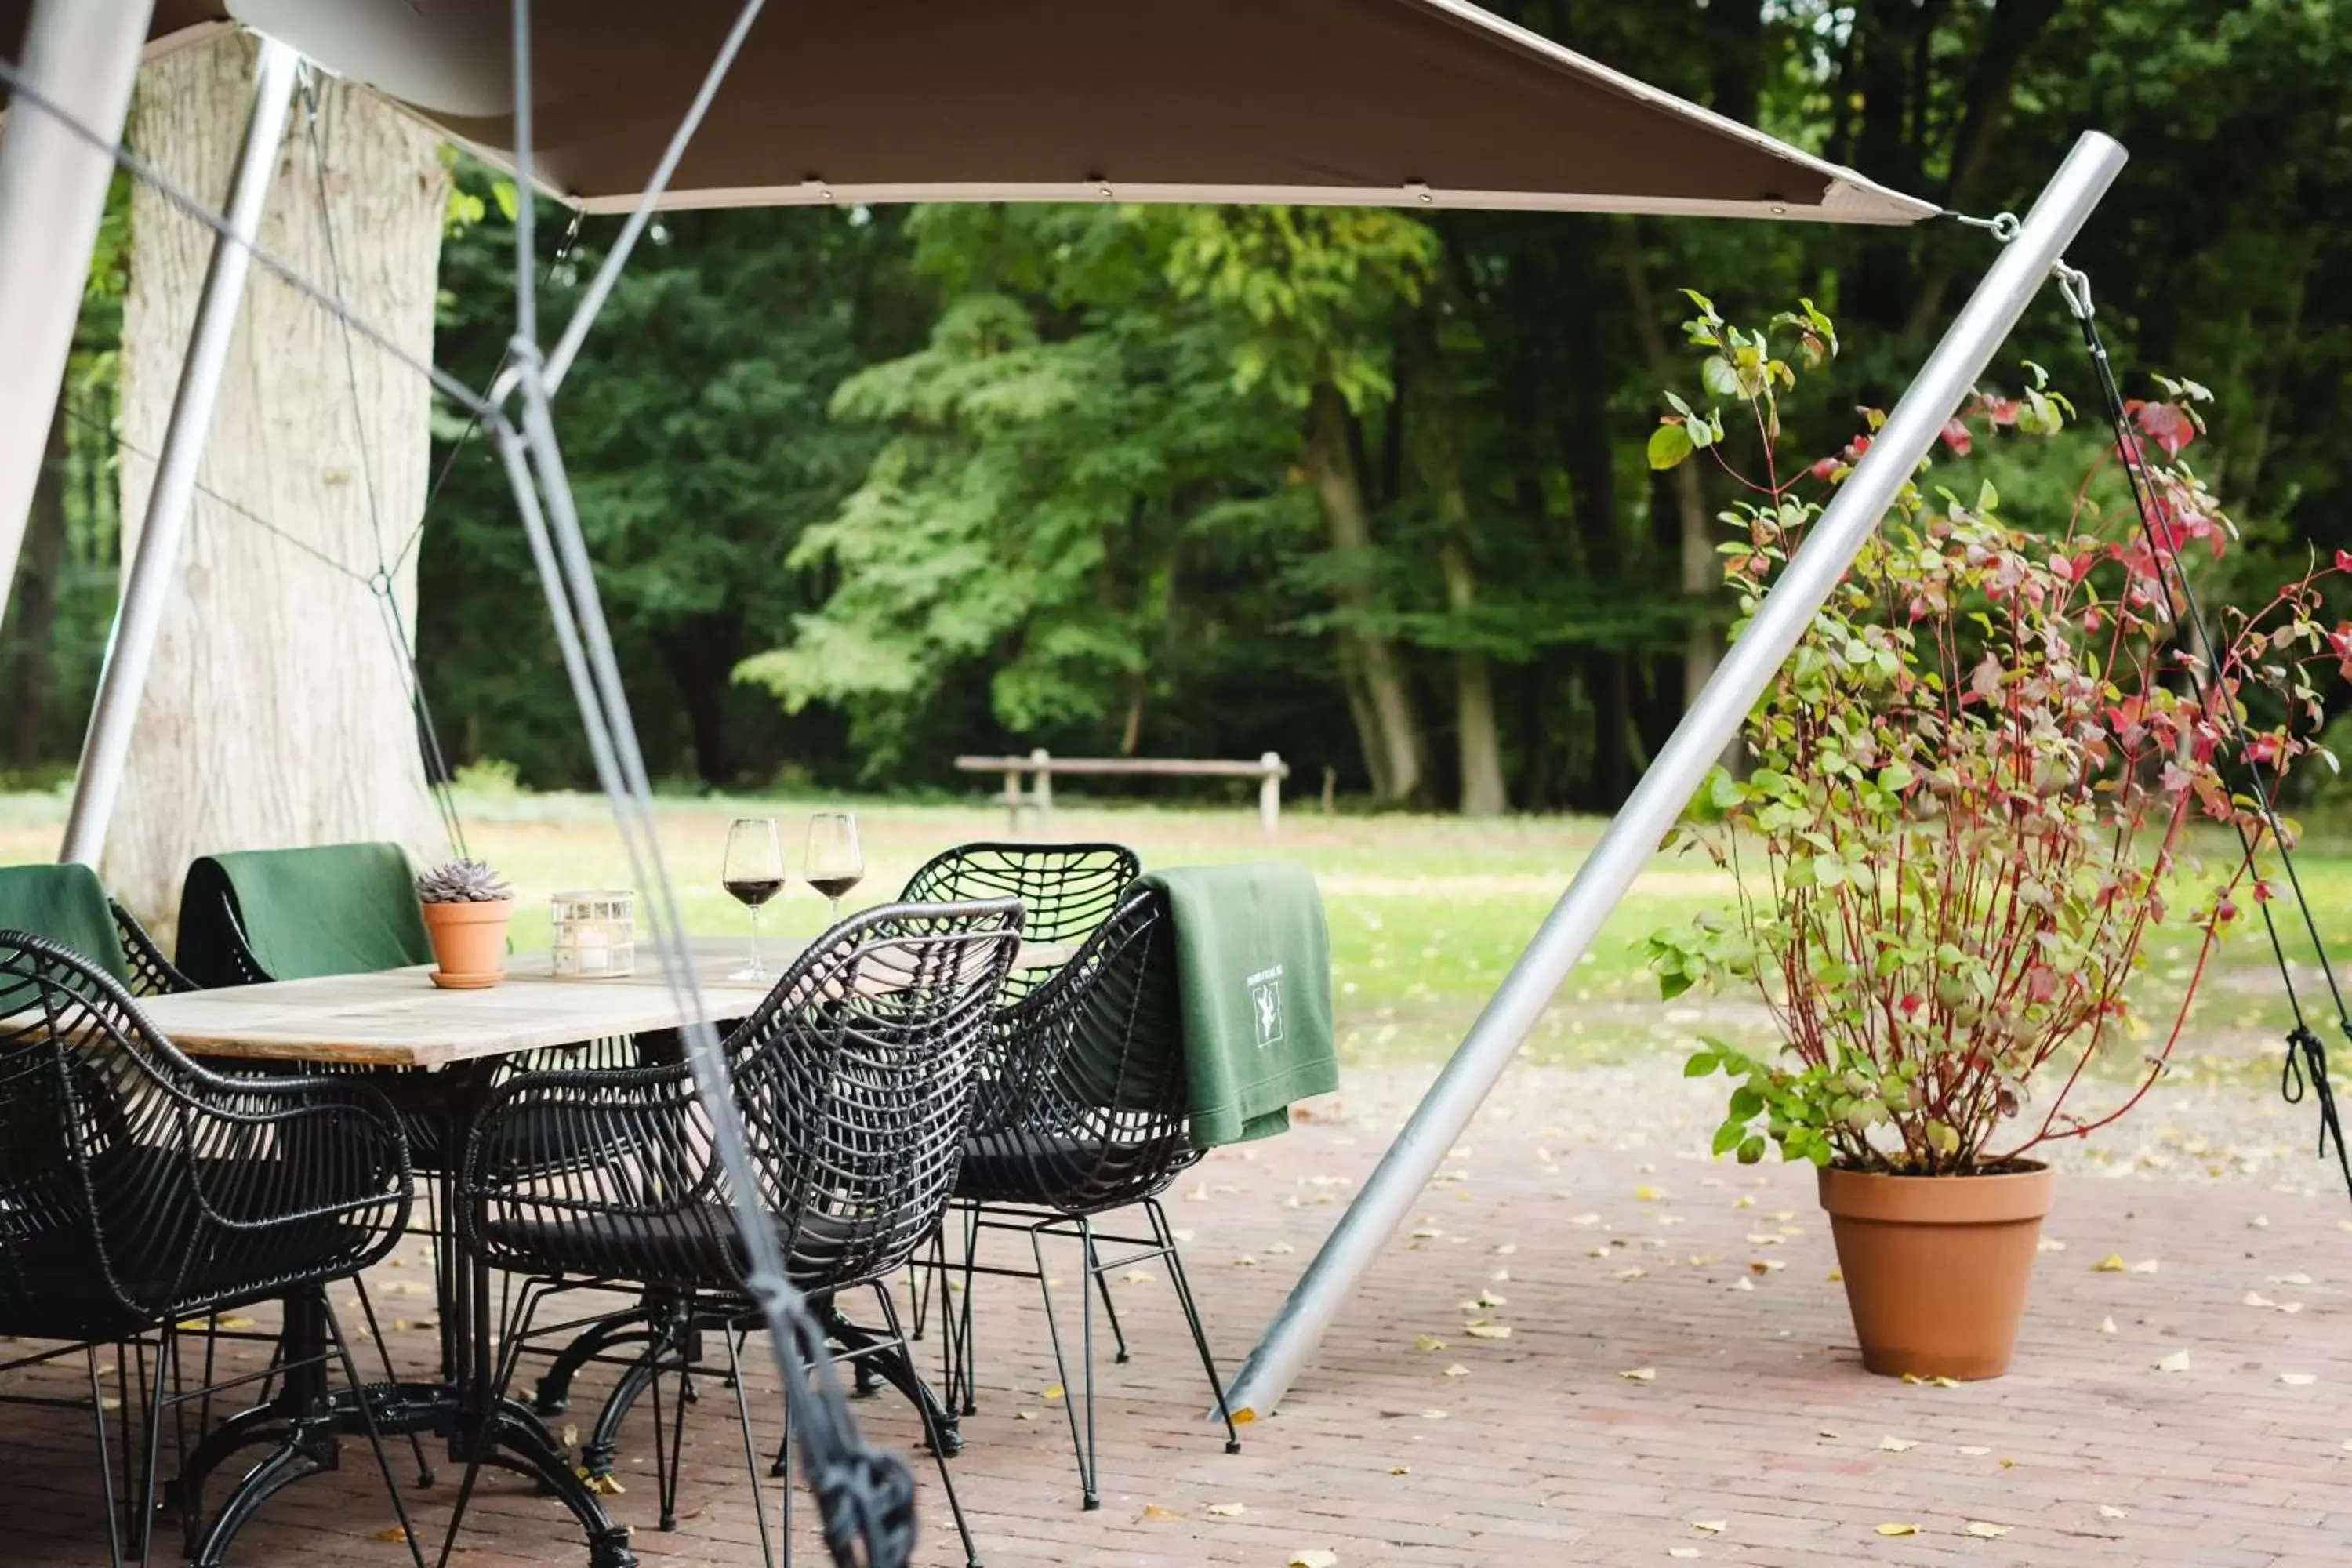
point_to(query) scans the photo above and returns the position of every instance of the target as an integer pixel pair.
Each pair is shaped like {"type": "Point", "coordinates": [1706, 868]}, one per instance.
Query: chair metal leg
{"type": "Point", "coordinates": [666, 1471]}
{"type": "Point", "coordinates": [383, 1351]}
{"type": "Point", "coordinates": [1166, 1237]}
{"type": "Point", "coordinates": [1081, 1444]}
{"type": "Point", "coordinates": [166, 1351]}
{"type": "Point", "coordinates": [751, 1455]}
{"type": "Point", "coordinates": [1110, 1308]}
{"type": "Point", "coordinates": [375, 1435]}
{"type": "Point", "coordinates": [932, 1431]}
{"type": "Point", "coordinates": [105, 1462]}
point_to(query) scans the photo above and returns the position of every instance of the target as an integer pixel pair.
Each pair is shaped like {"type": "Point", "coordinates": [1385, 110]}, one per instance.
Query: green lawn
{"type": "Point", "coordinates": [1427, 912]}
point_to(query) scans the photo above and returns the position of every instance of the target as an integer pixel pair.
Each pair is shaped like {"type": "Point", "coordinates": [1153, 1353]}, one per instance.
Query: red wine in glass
{"type": "Point", "coordinates": [834, 863]}
{"type": "Point", "coordinates": [753, 872]}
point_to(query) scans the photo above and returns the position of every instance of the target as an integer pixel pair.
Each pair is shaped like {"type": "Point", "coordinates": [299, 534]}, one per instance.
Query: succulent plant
{"type": "Point", "coordinates": [463, 882]}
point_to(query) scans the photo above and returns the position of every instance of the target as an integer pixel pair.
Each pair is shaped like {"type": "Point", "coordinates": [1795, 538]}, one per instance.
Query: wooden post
{"type": "Point", "coordinates": [1040, 794]}
{"type": "Point", "coordinates": [1269, 794]}
{"type": "Point", "coordinates": [1013, 802]}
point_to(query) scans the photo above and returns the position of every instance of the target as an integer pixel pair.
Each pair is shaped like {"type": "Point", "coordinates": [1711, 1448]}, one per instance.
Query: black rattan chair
{"type": "Point", "coordinates": [138, 1189]}
{"type": "Point", "coordinates": [1067, 890]}
{"type": "Point", "coordinates": [1085, 1114]}
{"type": "Point", "coordinates": [856, 1082]}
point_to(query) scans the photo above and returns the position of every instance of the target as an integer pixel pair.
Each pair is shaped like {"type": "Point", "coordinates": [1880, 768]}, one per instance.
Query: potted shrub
{"type": "Point", "coordinates": [1973, 791]}
{"type": "Point", "coordinates": [467, 906]}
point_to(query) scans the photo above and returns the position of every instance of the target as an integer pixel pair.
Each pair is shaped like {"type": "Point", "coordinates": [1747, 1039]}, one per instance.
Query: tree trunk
{"type": "Point", "coordinates": [1477, 734]}
{"type": "Point", "coordinates": [1393, 743]}
{"type": "Point", "coordinates": [702, 655]}
{"type": "Point", "coordinates": [38, 576]}
{"type": "Point", "coordinates": [277, 711]}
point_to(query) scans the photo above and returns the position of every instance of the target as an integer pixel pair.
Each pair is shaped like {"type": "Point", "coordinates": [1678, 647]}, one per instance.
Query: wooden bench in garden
{"type": "Point", "coordinates": [1269, 770]}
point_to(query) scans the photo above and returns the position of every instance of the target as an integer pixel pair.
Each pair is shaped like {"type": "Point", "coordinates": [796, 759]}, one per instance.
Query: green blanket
{"type": "Point", "coordinates": [341, 909]}
{"type": "Point", "coordinates": [1254, 975]}
{"type": "Point", "coordinates": [67, 905]}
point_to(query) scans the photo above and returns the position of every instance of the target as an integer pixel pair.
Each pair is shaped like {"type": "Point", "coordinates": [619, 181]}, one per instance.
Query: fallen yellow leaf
{"type": "Point", "coordinates": [2108, 1511]}
{"type": "Point", "coordinates": [1898, 1529]}
{"type": "Point", "coordinates": [2177, 1362]}
{"type": "Point", "coordinates": [2113, 1263]}
{"type": "Point", "coordinates": [1429, 1343]}
{"type": "Point", "coordinates": [396, 1534]}
{"type": "Point", "coordinates": [1641, 1374]}
{"type": "Point", "coordinates": [1712, 1526]}
{"type": "Point", "coordinates": [1648, 1194]}
{"type": "Point", "coordinates": [1976, 1453]}
{"type": "Point", "coordinates": [1314, 1557]}
{"type": "Point", "coordinates": [2297, 1379]}
{"type": "Point", "coordinates": [1984, 1531]}
{"type": "Point", "coordinates": [1682, 1551]}
{"type": "Point", "coordinates": [2144, 1266]}
{"type": "Point", "coordinates": [1898, 1445]}
{"type": "Point", "coordinates": [1487, 1331]}
{"type": "Point", "coordinates": [2106, 1325]}
{"type": "Point", "coordinates": [1457, 1370]}
{"type": "Point", "coordinates": [1051, 1391]}
{"type": "Point", "coordinates": [1399, 1470]}
{"type": "Point", "coordinates": [1227, 1509]}
{"type": "Point", "coordinates": [1156, 1514]}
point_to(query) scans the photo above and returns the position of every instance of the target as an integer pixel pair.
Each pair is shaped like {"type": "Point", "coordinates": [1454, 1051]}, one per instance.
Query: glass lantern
{"type": "Point", "coordinates": [595, 935]}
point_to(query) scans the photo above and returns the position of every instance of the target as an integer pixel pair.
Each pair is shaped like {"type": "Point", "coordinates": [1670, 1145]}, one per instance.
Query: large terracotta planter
{"type": "Point", "coordinates": [1936, 1267]}
{"type": "Point", "coordinates": [469, 941]}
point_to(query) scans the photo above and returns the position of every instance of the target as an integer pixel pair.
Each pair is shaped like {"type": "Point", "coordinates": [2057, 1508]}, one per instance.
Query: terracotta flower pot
{"type": "Point", "coordinates": [1936, 1267]}
{"type": "Point", "coordinates": [469, 941]}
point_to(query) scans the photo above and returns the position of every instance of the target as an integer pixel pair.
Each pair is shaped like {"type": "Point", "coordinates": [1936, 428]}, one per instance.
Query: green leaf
{"type": "Point", "coordinates": [1718, 377]}
{"type": "Point", "coordinates": [1669, 445]}
{"type": "Point", "coordinates": [1672, 984]}
{"type": "Point", "coordinates": [1750, 1151]}
{"type": "Point", "coordinates": [1700, 1064]}
{"type": "Point", "coordinates": [1728, 1136]}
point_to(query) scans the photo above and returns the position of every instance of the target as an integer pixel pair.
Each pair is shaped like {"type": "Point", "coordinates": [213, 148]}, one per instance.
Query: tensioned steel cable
{"type": "Point", "coordinates": [382, 585]}
{"type": "Point", "coordinates": [2305, 1069]}
{"type": "Point", "coordinates": [865, 1495]}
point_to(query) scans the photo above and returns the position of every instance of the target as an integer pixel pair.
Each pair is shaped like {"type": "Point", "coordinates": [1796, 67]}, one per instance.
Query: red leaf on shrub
{"type": "Point", "coordinates": [2166, 426]}
{"type": "Point", "coordinates": [2344, 560]}
{"type": "Point", "coordinates": [2261, 749]}
{"type": "Point", "coordinates": [1957, 437]}
{"type": "Point", "coordinates": [1826, 469]}
{"type": "Point", "coordinates": [2040, 983]}
{"type": "Point", "coordinates": [2340, 640]}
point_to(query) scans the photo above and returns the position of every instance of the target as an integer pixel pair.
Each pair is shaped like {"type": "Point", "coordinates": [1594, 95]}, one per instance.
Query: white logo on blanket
{"type": "Point", "coordinates": [1266, 1005]}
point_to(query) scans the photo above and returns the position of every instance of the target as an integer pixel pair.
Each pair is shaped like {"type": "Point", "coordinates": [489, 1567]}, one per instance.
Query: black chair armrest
{"type": "Point", "coordinates": [151, 974]}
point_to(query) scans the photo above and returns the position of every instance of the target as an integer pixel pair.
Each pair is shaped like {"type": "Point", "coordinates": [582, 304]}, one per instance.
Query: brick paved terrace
{"type": "Point", "coordinates": [1677, 1382]}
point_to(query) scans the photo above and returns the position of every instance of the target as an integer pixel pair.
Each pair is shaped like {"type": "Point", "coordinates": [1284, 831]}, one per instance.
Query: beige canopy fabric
{"type": "Point", "coordinates": [1431, 103]}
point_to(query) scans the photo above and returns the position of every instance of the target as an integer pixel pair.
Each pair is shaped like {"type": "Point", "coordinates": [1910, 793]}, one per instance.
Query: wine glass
{"type": "Point", "coordinates": [834, 864]}
{"type": "Point", "coordinates": [754, 873]}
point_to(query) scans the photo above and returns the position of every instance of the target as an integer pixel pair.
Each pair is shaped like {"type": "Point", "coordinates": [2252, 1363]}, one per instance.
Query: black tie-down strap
{"type": "Point", "coordinates": [2304, 1071]}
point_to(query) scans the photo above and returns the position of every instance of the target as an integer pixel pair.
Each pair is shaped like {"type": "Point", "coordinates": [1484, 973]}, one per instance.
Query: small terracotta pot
{"type": "Point", "coordinates": [1936, 1267]}
{"type": "Point", "coordinates": [469, 941]}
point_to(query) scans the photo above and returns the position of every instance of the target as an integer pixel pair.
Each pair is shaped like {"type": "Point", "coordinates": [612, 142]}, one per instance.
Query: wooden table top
{"type": "Point", "coordinates": [398, 1017]}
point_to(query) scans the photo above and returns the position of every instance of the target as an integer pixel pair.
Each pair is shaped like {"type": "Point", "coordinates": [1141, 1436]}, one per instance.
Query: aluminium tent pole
{"type": "Point", "coordinates": [83, 55]}
{"type": "Point", "coordinates": [1657, 802]}
{"type": "Point", "coordinates": [131, 648]}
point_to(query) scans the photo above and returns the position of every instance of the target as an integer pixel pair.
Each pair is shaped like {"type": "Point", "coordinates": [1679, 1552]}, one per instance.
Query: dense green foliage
{"type": "Point", "coordinates": [1369, 489]}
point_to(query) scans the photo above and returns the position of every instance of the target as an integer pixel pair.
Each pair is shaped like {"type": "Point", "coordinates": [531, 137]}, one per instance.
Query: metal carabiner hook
{"type": "Point", "coordinates": [2074, 284]}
